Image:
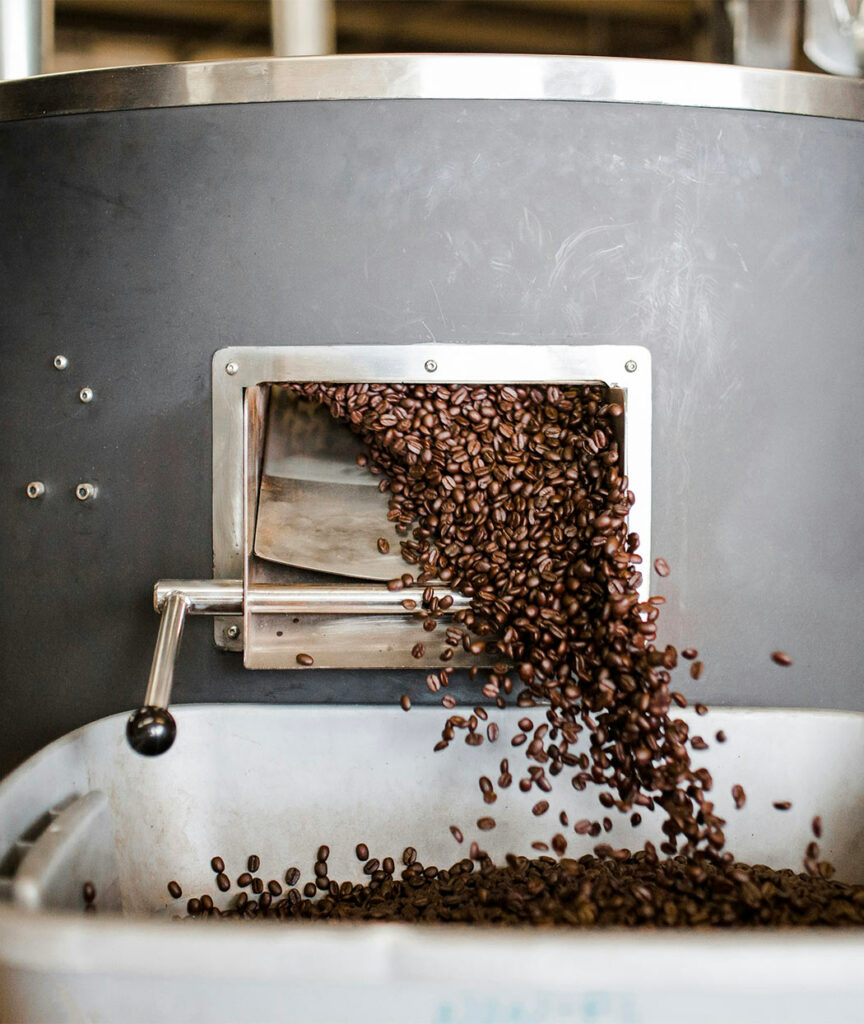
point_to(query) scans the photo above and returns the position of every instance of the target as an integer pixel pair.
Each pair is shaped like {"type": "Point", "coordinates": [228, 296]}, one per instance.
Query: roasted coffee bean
{"type": "Point", "coordinates": [362, 851]}
{"type": "Point", "coordinates": [457, 833]}
{"type": "Point", "coordinates": [485, 824]}
{"type": "Point", "coordinates": [418, 650]}
{"type": "Point", "coordinates": [175, 891]}
{"type": "Point", "coordinates": [292, 877]}
{"type": "Point", "coordinates": [696, 670]}
{"type": "Point", "coordinates": [384, 545]}
{"type": "Point", "coordinates": [661, 567]}
{"type": "Point", "coordinates": [541, 807]}
{"type": "Point", "coordinates": [309, 890]}
{"type": "Point", "coordinates": [739, 796]}
{"type": "Point", "coordinates": [253, 863]}
{"type": "Point", "coordinates": [193, 907]}
{"type": "Point", "coordinates": [218, 865]}
{"type": "Point", "coordinates": [371, 866]}
{"type": "Point", "coordinates": [257, 886]}
{"type": "Point", "coordinates": [409, 856]}
{"type": "Point", "coordinates": [320, 868]}
{"type": "Point", "coordinates": [207, 902]}
{"type": "Point", "coordinates": [700, 709]}
{"type": "Point", "coordinates": [274, 888]}
{"type": "Point", "coordinates": [305, 659]}
{"type": "Point", "coordinates": [223, 882]}
{"type": "Point", "coordinates": [690, 653]}
{"type": "Point", "coordinates": [720, 736]}
{"type": "Point", "coordinates": [388, 865]}
{"type": "Point", "coordinates": [405, 702]}
{"type": "Point", "coordinates": [816, 826]}
{"type": "Point", "coordinates": [244, 879]}
{"type": "Point", "coordinates": [782, 805]}
{"type": "Point", "coordinates": [88, 891]}
{"type": "Point", "coordinates": [781, 658]}
{"type": "Point", "coordinates": [323, 853]}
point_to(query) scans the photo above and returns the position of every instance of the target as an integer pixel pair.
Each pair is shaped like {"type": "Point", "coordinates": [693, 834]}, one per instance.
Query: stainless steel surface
{"type": "Point", "coordinates": [478, 364]}
{"type": "Point", "coordinates": [340, 599]}
{"type": "Point", "coordinates": [35, 489]}
{"type": "Point", "coordinates": [85, 491]}
{"type": "Point", "coordinates": [161, 680]}
{"type": "Point", "coordinates": [204, 597]}
{"type": "Point", "coordinates": [317, 509]}
{"type": "Point", "coordinates": [225, 597]}
{"type": "Point", "coordinates": [85, 395]}
{"type": "Point", "coordinates": [20, 38]}
{"type": "Point", "coordinates": [302, 27]}
{"type": "Point", "coordinates": [60, 362]}
{"type": "Point", "coordinates": [433, 76]}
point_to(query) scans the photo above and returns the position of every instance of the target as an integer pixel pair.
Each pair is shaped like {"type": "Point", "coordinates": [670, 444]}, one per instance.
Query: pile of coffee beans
{"type": "Point", "coordinates": [514, 495]}
{"type": "Point", "coordinates": [615, 888]}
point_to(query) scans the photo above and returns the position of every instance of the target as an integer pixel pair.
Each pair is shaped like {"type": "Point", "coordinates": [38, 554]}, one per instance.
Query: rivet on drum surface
{"type": "Point", "coordinates": [60, 362]}
{"type": "Point", "coordinates": [86, 395]}
{"type": "Point", "coordinates": [430, 366]}
{"type": "Point", "coordinates": [231, 369]}
{"type": "Point", "coordinates": [630, 366]}
{"type": "Point", "coordinates": [35, 489]}
{"type": "Point", "coordinates": [84, 492]}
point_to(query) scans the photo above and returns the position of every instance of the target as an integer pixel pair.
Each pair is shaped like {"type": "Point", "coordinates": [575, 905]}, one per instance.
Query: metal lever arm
{"type": "Point", "coordinates": [151, 729]}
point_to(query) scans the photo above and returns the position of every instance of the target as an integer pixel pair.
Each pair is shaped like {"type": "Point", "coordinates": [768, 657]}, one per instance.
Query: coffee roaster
{"type": "Point", "coordinates": [182, 242]}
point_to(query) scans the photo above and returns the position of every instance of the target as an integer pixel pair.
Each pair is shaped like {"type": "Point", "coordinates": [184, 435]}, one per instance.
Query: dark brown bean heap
{"type": "Point", "coordinates": [513, 495]}
{"type": "Point", "coordinates": [614, 889]}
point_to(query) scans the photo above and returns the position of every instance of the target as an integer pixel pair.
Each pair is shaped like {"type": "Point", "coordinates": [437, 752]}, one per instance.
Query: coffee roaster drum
{"type": "Point", "coordinates": [164, 226]}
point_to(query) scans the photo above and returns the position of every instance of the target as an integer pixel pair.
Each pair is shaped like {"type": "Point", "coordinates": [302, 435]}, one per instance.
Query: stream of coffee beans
{"type": "Point", "coordinates": [514, 495]}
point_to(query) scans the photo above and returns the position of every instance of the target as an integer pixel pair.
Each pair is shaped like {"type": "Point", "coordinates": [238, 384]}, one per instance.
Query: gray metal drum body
{"type": "Point", "coordinates": [138, 242]}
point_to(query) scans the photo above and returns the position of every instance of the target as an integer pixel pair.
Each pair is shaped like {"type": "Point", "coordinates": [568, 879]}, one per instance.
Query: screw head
{"type": "Point", "coordinates": [231, 369]}
{"type": "Point", "coordinates": [84, 492]}
{"type": "Point", "coordinates": [35, 489]}
{"type": "Point", "coordinates": [430, 366]}
{"type": "Point", "coordinates": [86, 395]}
{"type": "Point", "coordinates": [60, 362]}
{"type": "Point", "coordinates": [630, 366]}
{"type": "Point", "coordinates": [232, 632]}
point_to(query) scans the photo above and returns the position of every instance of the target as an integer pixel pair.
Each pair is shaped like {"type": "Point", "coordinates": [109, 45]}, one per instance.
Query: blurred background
{"type": "Point", "coordinates": [76, 34]}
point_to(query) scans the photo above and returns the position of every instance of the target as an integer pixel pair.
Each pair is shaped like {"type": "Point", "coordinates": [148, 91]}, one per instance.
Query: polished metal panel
{"type": "Point", "coordinates": [317, 509]}
{"type": "Point", "coordinates": [433, 76]}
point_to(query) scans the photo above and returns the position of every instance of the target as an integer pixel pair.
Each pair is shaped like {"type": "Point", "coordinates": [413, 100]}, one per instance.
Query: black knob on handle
{"type": "Point", "coordinates": [151, 731]}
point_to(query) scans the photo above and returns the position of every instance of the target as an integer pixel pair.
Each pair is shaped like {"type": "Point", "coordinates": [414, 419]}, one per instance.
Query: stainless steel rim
{"type": "Point", "coordinates": [433, 76]}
